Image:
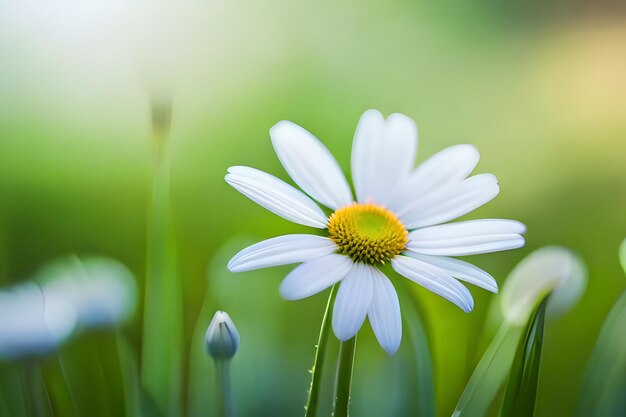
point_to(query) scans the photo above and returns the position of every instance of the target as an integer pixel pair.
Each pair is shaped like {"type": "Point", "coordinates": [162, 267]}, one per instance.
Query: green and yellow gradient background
{"type": "Point", "coordinates": [539, 90]}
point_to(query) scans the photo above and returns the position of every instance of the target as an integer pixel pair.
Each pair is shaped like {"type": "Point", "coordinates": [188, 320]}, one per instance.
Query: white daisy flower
{"type": "Point", "coordinates": [397, 217]}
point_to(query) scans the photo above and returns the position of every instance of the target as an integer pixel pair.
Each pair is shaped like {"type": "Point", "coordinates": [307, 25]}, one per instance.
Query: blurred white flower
{"type": "Point", "coordinates": [553, 271]}
{"type": "Point", "coordinates": [32, 321]}
{"type": "Point", "coordinates": [222, 338]}
{"type": "Point", "coordinates": [102, 291]}
{"type": "Point", "coordinates": [397, 217]}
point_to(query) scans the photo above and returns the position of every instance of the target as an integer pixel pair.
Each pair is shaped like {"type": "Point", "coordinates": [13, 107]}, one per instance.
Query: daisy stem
{"type": "Point", "coordinates": [318, 362]}
{"type": "Point", "coordinates": [37, 400]}
{"type": "Point", "coordinates": [162, 334]}
{"type": "Point", "coordinates": [343, 380]}
{"type": "Point", "coordinates": [224, 393]}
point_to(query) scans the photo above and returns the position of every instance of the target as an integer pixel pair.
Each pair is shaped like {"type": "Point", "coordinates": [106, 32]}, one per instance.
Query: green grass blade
{"type": "Point", "coordinates": [604, 382]}
{"type": "Point", "coordinates": [521, 391]}
{"type": "Point", "coordinates": [318, 362]}
{"type": "Point", "coordinates": [343, 381]}
{"type": "Point", "coordinates": [622, 254]}
{"type": "Point", "coordinates": [425, 395]}
{"type": "Point", "coordinates": [489, 374]}
{"type": "Point", "coordinates": [162, 337]}
{"type": "Point", "coordinates": [130, 376]}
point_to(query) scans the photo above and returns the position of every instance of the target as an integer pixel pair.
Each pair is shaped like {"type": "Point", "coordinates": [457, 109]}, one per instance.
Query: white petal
{"type": "Point", "coordinates": [462, 270]}
{"type": "Point", "coordinates": [384, 313]}
{"type": "Point", "coordinates": [277, 196]}
{"type": "Point", "coordinates": [448, 166]}
{"type": "Point", "coordinates": [467, 238]}
{"type": "Point", "coordinates": [314, 276]}
{"type": "Point", "coordinates": [310, 164]}
{"type": "Point", "coordinates": [383, 154]}
{"type": "Point", "coordinates": [281, 250]}
{"type": "Point", "coordinates": [353, 301]}
{"type": "Point", "coordinates": [435, 279]}
{"type": "Point", "coordinates": [452, 201]}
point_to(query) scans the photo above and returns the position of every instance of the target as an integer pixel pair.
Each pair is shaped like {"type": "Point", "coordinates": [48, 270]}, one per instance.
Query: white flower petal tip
{"type": "Point", "coordinates": [467, 238]}
{"type": "Point", "coordinates": [451, 201]}
{"type": "Point", "coordinates": [281, 250]}
{"type": "Point", "coordinates": [383, 154]}
{"type": "Point", "coordinates": [434, 279]}
{"type": "Point", "coordinates": [276, 196]}
{"type": "Point", "coordinates": [353, 301]}
{"type": "Point", "coordinates": [384, 313]}
{"type": "Point", "coordinates": [551, 270]}
{"type": "Point", "coordinates": [310, 164]}
{"type": "Point", "coordinates": [446, 167]}
{"type": "Point", "coordinates": [314, 276]}
{"type": "Point", "coordinates": [461, 270]}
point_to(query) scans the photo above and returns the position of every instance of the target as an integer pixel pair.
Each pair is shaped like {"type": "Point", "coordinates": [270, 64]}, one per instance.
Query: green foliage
{"type": "Point", "coordinates": [521, 390]}
{"type": "Point", "coordinates": [320, 355]}
{"type": "Point", "coordinates": [604, 384]}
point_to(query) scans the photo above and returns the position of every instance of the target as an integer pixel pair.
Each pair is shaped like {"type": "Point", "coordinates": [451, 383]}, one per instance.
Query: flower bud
{"type": "Point", "coordinates": [222, 338]}
{"type": "Point", "coordinates": [553, 271]}
{"type": "Point", "coordinates": [102, 291]}
{"type": "Point", "coordinates": [32, 321]}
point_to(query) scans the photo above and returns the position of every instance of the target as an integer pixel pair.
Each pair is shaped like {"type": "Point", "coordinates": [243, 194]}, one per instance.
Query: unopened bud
{"type": "Point", "coordinates": [551, 270]}
{"type": "Point", "coordinates": [222, 338]}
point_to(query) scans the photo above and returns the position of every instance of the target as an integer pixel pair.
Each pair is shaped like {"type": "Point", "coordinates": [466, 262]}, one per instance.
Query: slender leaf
{"type": "Point", "coordinates": [343, 380]}
{"type": "Point", "coordinates": [425, 395]}
{"type": "Point", "coordinates": [162, 337]}
{"type": "Point", "coordinates": [604, 383]}
{"type": "Point", "coordinates": [521, 391]}
{"type": "Point", "coordinates": [490, 373]}
{"type": "Point", "coordinates": [318, 362]}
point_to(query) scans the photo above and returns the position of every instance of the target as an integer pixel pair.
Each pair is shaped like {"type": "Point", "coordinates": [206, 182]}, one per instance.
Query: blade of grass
{"type": "Point", "coordinates": [318, 363]}
{"type": "Point", "coordinates": [162, 338]}
{"type": "Point", "coordinates": [425, 395]}
{"type": "Point", "coordinates": [490, 373]}
{"type": "Point", "coordinates": [521, 390]}
{"type": "Point", "coordinates": [604, 382]}
{"type": "Point", "coordinates": [343, 380]}
{"type": "Point", "coordinates": [130, 376]}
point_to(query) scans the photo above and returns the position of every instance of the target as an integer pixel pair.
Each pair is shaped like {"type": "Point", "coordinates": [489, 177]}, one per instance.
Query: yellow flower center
{"type": "Point", "coordinates": [367, 233]}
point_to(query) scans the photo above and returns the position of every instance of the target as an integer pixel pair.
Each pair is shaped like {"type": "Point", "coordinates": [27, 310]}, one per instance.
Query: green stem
{"type": "Point", "coordinates": [318, 362]}
{"type": "Point", "coordinates": [162, 333]}
{"type": "Point", "coordinates": [224, 393]}
{"type": "Point", "coordinates": [37, 400]}
{"type": "Point", "coordinates": [343, 380]}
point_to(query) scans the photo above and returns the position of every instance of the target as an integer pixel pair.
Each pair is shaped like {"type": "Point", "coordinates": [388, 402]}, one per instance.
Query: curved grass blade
{"type": "Point", "coordinates": [343, 381]}
{"type": "Point", "coordinates": [490, 373]}
{"type": "Point", "coordinates": [318, 363]}
{"type": "Point", "coordinates": [604, 383]}
{"type": "Point", "coordinates": [162, 334]}
{"type": "Point", "coordinates": [425, 394]}
{"type": "Point", "coordinates": [521, 391]}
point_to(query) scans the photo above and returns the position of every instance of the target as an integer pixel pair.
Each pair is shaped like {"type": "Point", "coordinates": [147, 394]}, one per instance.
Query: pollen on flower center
{"type": "Point", "coordinates": [367, 233]}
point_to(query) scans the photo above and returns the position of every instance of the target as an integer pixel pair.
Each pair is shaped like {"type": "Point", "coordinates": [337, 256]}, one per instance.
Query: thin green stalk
{"type": "Point", "coordinates": [162, 338]}
{"type": "Point", "coordinates": [521, 390]}
{"type": "Point", "coordinates": [224, 393]}
{"type": "Point", "coordinates": [37, 400]}
{"type": "Point", "coordinates": [425, 393]}
{"type": "Point", "coordinates": [318, 362]}
{"type": "Point", "coordinates": [343, 380]}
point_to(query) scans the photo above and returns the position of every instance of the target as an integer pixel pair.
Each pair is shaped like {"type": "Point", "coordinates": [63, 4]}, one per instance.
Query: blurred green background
{"type": "Point", "coordinates": [539, 89]}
